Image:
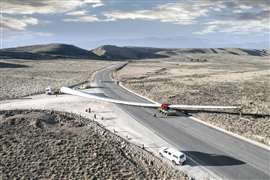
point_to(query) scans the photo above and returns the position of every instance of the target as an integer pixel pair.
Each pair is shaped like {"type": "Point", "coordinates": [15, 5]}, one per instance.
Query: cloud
{"type": "Point", "coordinates": [77, 13]}
{"type": "Point", "coordinates": [18, 23]}
{"type": "Point", "coordinates": [44, 34]}
{"type": "Point", "coordinates": [231, 16]}
{"type": "Point", "coordinates": [80, 16]}
{"type": "Point", "coordinates": [240, 17]}
{"type": "Point", "coordinates": [245, 7]}
{"type": "Point", "coordinates": [86, 18]}
{"type": "Point", "coordinates": [43, 6]}
{"type": "Point", "coordinates": [178, 13]}
{"type": "Point", "coordinates": [245, 4]}
{"type": "Point", "coordinates": [234, 16]}
{"type": "Point", "coordinates": [189, 11]}
{"type": "Point", "coordinates": [238, 26]}
{"type": "Point", "coordinates": [209, 29]}
{"type": "Point", "coordinates": [12, 8]}
{"type": "Point", "coordinates": [98, 5]}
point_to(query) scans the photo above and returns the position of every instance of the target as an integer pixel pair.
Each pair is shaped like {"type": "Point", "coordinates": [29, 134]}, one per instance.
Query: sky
{"type": "Point", "coordinates": [155, 23]}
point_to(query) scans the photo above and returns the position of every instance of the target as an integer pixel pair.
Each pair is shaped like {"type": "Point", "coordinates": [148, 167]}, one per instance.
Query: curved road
{"type": "Point", "coordinates": [225, 155]}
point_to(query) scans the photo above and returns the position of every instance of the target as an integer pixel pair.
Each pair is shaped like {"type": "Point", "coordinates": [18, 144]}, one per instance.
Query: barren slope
{"type": "Point", "coordinates": [52, 145]}
{"type": "Point", "coordinates": [20, 78]}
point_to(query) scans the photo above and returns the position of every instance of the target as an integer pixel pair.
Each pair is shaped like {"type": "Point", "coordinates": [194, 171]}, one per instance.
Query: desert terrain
{"type": "Point", "coordinates": [209, 79]}
{"type": "Point", "coordinates": [48, 144]}
{"type": "Point", "coordinates": [20, 78]}
{"type": "Point", "coordinates": [186, 77]}
{"type": "Point", "coordinates": [56, 145]}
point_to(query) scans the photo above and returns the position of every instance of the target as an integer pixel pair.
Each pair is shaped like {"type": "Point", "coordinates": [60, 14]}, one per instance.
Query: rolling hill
{"type": "Point", "coordinates": [47, 51]}
{"type": "Point", "coordinates": [110, 52]}
{"type": "Point", "coordinates": [224, 51]}
{"type": "Point", "coordinates": [121, 53]}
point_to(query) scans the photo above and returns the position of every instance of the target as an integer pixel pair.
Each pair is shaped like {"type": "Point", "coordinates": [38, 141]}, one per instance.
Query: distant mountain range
{"type": "Point", "coordinates": [110, 52]}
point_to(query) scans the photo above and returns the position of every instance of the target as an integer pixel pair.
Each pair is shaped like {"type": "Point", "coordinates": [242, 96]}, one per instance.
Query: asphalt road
{"type": "Point", "coordinates": [222, 154]}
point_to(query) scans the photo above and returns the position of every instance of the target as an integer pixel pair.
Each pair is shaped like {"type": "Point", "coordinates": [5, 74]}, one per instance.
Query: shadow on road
{"type": "Point", "coordinates": [206, 159]}
{"type": "Point", "coordinates": [97, 94]}
{"type": "Point", "coordinates": [254, 115]}
{"type": "Point", "coordinates": [96, 87]}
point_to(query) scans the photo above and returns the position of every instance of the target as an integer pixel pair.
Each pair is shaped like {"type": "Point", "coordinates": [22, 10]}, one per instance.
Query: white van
{"type": "Point", "coordinates": [177, 157]}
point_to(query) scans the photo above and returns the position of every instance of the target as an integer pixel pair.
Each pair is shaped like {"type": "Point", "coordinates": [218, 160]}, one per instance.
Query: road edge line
{"type": "Point", "coordinates": [121, 85]}
{"type": "Point", "coordinates": [208, 124]}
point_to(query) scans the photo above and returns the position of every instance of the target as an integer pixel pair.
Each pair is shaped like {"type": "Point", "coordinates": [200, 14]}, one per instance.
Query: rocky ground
{"type": "Point", "coordinates": [235, 80]}
{"type": "Point", "coordinates": [20, 78]}
{"type": "Point", "coordinates": [54, 145]}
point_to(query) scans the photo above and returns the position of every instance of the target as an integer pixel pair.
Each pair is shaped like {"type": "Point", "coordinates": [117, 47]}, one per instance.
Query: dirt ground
{"type": "Point", "coordinates": [54, 145]}
{"type": "Point", "coordinates": [218, 80]}
{"type": "Point", "coordinates": [20, 78]}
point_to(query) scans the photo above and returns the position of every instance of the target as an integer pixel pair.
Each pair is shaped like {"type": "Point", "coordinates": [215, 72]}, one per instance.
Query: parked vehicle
{"type": "Point", "coordinates": [175, 156]}
{"type": "Point", "coordinates": [48, 91]}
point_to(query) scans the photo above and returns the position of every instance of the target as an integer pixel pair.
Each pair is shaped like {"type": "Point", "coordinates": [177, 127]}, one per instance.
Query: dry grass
{"type": "Point", "coordinates": [37, 75]}
{"type": "Point", "coordinates": [234, 80]}
{"type": "Point", "coordinates": [54, 145]}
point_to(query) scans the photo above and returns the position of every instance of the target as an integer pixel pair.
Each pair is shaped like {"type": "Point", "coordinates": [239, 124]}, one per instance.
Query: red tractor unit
{"type": "Point", "coordinates": [165, 109]}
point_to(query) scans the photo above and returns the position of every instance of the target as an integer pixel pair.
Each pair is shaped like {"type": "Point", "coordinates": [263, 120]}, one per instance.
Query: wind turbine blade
{"type": "Point", "coordinates": [91, 96]}
{"type": "Point", "coordinates": [201, 107]}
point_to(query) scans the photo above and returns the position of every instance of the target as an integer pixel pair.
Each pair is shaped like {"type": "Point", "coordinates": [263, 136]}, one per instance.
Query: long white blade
{"type": "Point", "coordinates": [91, 96]}
{"type": "Point", "coordinates": [87, 95]}
{"type": "Point", "coordinates": [201, 107]}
